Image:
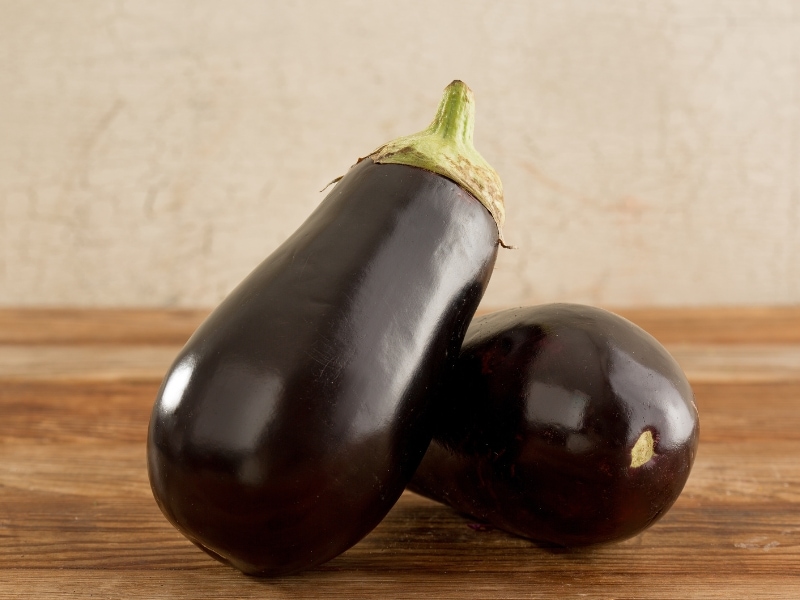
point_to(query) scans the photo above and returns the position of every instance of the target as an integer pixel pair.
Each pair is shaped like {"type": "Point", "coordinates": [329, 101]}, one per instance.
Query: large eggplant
{"type": "Point", "coordinates": [562, 423]}
{"type": "Point", "coordinates": [296, 414]}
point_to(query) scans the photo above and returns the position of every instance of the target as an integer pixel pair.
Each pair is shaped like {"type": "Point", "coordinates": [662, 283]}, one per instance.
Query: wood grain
{"type": "Point", "coordinates": [55, 326]}
{"type": "Point", "coordinates": [701, 362]}
{"type": "Point", "coordinates": [77, 517]}
{"type": "Point", "coordinates": [729, 325]}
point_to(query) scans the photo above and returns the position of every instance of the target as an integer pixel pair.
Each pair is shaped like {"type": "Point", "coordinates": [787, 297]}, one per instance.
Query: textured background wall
{"type": "Point", "coordinates": [152, 153]}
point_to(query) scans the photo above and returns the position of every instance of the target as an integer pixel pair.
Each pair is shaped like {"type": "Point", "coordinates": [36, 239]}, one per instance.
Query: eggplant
{"type": "Point", "coordinates": [296, 414]}
{"type": "Point", "coordinates": [562, 423]}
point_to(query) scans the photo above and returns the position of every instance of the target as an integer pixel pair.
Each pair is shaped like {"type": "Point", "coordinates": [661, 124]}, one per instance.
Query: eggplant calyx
{"type": "Point", "coordinates": [446, 148]}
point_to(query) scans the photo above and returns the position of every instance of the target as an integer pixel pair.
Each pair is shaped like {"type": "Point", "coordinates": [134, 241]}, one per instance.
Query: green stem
{"type": "Point", "coordinates": [445, 147]}
{"type": "Point", "coordinates": [455, 117]}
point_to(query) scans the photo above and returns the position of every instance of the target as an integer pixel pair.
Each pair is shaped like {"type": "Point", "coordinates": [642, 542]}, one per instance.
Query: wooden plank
{"type": "Point", "coordinates": [719, 325]}
{"type": "Point", "coordinates": [214, 583]}
{"type": "Point", "coordinates": [700, 362]}
{"type": "Point", "coordinates": [726, 325]}
{"type": "Point", "coordinates": [737, 362]}
{"type": "Point", "coordinates": [85, 363]}
{"type": "Point", "coordinates": [758, 411]}
{"type": "Point", "coordinates": [98, 326]}
{"type": "Point", "coordinates": [77, 517]}
{"type": "Point", "coordinates": [743, 517]}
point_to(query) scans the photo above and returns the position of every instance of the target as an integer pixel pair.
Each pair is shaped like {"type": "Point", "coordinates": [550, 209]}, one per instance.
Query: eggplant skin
{"type": "Point", "coordinates": [296, 414]}
{"type": "Point", "coordinates": [537, 430]}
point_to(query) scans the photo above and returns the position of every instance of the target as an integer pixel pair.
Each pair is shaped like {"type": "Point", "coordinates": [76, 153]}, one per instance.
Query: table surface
{"type": "Point", "coordinates": [77, 517]}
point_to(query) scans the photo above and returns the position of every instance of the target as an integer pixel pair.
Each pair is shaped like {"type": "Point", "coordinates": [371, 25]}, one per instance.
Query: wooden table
{"type": "Point", "coordinates": [77, 518]}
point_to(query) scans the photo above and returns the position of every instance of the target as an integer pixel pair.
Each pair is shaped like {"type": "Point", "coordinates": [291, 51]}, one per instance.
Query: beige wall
{"type": "Point", "coordinates": [152, 153]}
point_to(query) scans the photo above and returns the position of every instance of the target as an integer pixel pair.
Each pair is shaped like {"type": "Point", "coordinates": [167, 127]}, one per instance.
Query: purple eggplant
{"type": "Point", "coordinates": [294, 417]}
{"type": "Point", "coordinates": [562, 423]}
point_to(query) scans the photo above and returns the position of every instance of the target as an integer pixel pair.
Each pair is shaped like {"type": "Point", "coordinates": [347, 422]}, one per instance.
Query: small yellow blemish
{"type": "Point", "coordinates": [642, 450]}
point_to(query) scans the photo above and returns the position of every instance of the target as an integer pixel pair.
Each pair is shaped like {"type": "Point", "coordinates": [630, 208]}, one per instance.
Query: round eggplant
{"type": "Point", "coordinates": [296, 414]}
{"type": "Point", "coordinates": [562, 423]}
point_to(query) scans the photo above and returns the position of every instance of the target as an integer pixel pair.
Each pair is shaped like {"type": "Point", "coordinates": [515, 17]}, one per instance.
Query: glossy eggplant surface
{"type": "Point", "coordinates": [562, 423]}
{"type": "Point", "coordinates": [294, 417]}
